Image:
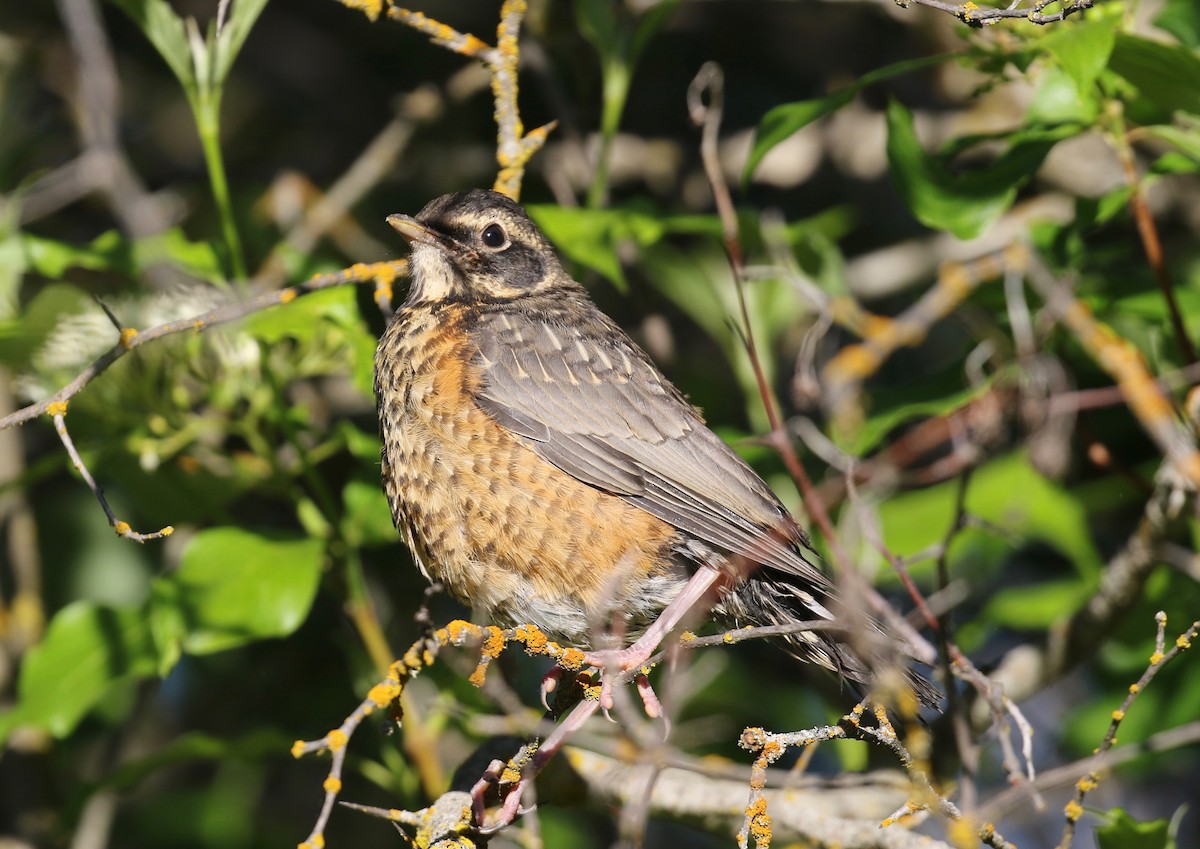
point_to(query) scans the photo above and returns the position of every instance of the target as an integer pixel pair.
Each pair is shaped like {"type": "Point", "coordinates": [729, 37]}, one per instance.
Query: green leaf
{"type": "Point", "coordinates": [241, 20]}
{"type": "Point", "coordinates": [24, 334]}
{"type": "Point", "coordinates": [964, 204]}
{"type": "Point", "coordinates": [1057, 99]}
{"type": "Point", "coordinates": [877, 426]}
{"type": "Point", "coordinates": [1037, 607]}
{"type": "Point", "coordinates": [1181, 18]}
{"type": "Point", "coordinates": [1122, 831]}
{"type": "Point", "coordinates": [159, 23]}
{"type": "Point", "coordinates": [234, 587]}
{"type": "Point", "coordinates": [782, 121]}
{"type": "Point", "coordinates": [1008, 492]}
{"type": "Point", "coordinates": [1186, 141]}
{"type": "Point", "coordinates": [590, 236]}
{"type": "Point", "coordinates": [368, 519]}
{"type": "Point", "coordinates": [87, 649]}
{"type": "Point", "coordinates": [1164, 73]}
{"type": "Point", "coordinates": [302, 319]}
{"type": "Point", "coordinates": [111, 251]}
{"type": "Point", "coordinates": [1083, 51]}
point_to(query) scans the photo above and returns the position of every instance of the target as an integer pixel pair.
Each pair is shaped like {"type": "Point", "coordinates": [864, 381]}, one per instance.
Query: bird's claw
{"type": "Point", "coordinates": [510, 808]}
{"type": "Point", "coordinates": [612, 664]}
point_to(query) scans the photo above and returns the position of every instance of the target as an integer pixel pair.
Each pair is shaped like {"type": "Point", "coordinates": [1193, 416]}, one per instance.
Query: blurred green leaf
{"type": "Point", "coordinates": [1164, 73]}
{"type": "Point", "coordinates": [1008, 492]}
{"type": "Point", "coordinates": [241, 20]}
{"type": "Point", "coordinates": [1181, 18]}
{"type": "Point", "coordinates": [782, 121]}
{"type": "Point", "coordinates": [1186, 141]}
{"type": "Point", "coordinates": [234, 587]}
{"type": "Point", "coordinates": [1122, 831]}
{"type": "Point", "coordinates": [1057, 98]}
{"type": "Point", "coordinates": [590, 236]}
{"type": "Point", "coordinates": [112, 251]}
{"type": "Point", "coordinates": [1035, 607]}
{"type": "Point", "coordinates": [1083, 50]}
{"type": "Point", "coordinates": [159, 23]}
{"type": "Point", "coordinates": [302, 318]}
{"type": "Point", "coordinates": [87, 649]}
{"type": "Point", "coordinates": [963, 203]}
{"type": "Point", "coordinates": [368, 518]}
{"type": "Point", "coordinates": [24, 334]}
{"type": "Point", "coordinates": [879, 425]}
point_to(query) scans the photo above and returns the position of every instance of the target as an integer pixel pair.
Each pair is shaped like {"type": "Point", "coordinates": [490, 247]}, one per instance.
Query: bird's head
{"type": "Point", "coordinates": [476, 245]}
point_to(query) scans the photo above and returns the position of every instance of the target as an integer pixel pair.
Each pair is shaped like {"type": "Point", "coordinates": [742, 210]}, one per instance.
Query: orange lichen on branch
{"type": "Point", "coordinates": [440, 33]}
{"type": "Point", "coordinates": [514, 146]}
{"type": "Point", "coordinates": [371, 8]}
{"type": "Point", "coordinates": [128, 338]}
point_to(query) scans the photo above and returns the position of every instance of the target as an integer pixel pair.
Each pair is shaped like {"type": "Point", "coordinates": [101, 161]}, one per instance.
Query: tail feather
{"type": "Point", "coordinates": [779, 601]}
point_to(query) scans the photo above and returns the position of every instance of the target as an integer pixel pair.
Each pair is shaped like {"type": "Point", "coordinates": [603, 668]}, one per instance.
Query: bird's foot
{"type": "Point", "coordinates": [614, 663]}
{"type": "Point", "coordinates": [510, 807]}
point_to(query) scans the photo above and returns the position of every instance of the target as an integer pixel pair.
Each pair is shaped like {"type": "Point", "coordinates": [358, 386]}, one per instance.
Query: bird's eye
{"type": "Point", "coordinates": [493, 236]}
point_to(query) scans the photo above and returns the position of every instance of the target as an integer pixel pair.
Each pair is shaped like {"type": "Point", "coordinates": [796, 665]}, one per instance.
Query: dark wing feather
{"type": "Point", "coordinates": [588, 400]}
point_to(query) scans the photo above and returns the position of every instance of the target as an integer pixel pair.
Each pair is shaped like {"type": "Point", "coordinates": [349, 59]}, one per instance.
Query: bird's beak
{"type": "Point", "coordinates": [416, 232]}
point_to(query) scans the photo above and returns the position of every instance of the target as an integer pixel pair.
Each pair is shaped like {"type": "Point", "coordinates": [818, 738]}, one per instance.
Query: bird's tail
{"type": "Point", "coordinates": [856, 651]}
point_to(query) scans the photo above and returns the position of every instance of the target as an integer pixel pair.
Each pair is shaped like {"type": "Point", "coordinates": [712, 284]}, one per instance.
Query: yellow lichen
{"type": "Point", "coordinates": [384, 693]}
{"type": "Point", "coordinates": [286, 296]}
{"type": "Point", "coordinates": [1118, 715]}
{"type": "Point", "coordinates": [1156, 658]}
{"type": "Point", "coordinates": [57, 408]}
{"type": "Point", "coordinates": [336, 740]}
{"type": "Point", "coordinates": [1073, 810]}
{"type": "Point", "coordinates": [121, 527]}
{"type": "Point", "coordinates": [493, 642]}
{"type": "Point", "coordinates": [1088, 783]}
{"type": "Point", "coordinates": [128, 334]}
{"type": "Point", "coordinates": [298, 749]}
{"type": "Point", "coordinates": [332, 784]}
{"type": "Point", "coordinates": [572, 659]}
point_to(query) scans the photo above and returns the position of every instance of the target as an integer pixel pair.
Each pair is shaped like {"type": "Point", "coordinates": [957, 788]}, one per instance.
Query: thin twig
{"type": "Point", "coordinates": [977, 16]}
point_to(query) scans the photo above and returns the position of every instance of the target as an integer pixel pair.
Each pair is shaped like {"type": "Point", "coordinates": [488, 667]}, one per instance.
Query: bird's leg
{"type": "Point", "coordinates": [613, 662]}
{"type": "Point", "coordinates": [511, 807]}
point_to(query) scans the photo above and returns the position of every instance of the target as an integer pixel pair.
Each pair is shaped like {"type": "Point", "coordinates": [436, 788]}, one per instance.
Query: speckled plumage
{"type": "Point", "coordinates": [544, 470]}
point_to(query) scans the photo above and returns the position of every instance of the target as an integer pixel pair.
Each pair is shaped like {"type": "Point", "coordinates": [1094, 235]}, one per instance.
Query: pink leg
{"type": "Point", "coordinates": [613, 663]}
{"type": "Point", "coordinates": [549, 748]}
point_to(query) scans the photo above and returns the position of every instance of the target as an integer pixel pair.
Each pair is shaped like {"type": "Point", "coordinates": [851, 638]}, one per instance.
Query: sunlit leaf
{"type": "Point", "coordinates": [964, 203]}
{"type": "Point", "coordinates": [789, 118]}
{"type": "Point", "coordinates": [1123, 831]}
{"type": "Point", "coordinates": [234, 587]}
{"type": "Point", "coordinates": [1083, 50]}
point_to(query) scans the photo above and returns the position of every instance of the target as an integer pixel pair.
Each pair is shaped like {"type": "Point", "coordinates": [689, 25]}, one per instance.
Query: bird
{"type": "Point", "coordinates": [543, 469]}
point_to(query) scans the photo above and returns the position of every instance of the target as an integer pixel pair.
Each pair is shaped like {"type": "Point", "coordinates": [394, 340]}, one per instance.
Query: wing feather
{"type": "Point", "coordinates": [586, 399]}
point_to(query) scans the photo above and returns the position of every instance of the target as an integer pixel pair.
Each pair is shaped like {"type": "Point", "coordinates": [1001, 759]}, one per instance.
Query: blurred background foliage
{"type": "Point", "coordinates": [151, 693]}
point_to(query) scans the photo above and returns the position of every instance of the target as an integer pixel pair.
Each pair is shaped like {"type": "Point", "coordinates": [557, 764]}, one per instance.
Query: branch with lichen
{"type": "Point", "coordinates": [768, 747]}
{"type": "Point", "coordinates": [973, 14]}
{"type": "Point", "coordinates": [514, 146]}
{"type": "Point", "coordinates": [1160, 658]}
{"type": "Point", "coordinates": [386, 694]}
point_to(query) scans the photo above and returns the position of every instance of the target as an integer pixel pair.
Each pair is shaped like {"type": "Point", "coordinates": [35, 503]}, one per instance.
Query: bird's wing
{"type": "Point", "coordinates": [588, 400]}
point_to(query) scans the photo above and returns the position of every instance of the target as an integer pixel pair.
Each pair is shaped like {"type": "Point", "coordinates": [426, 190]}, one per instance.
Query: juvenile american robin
{"type": "Point", "coordinates": [545, 471]}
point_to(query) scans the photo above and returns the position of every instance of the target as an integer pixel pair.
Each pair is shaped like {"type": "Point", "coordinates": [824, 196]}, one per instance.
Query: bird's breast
{"type": "Point", "coordinates": [503, 529]}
